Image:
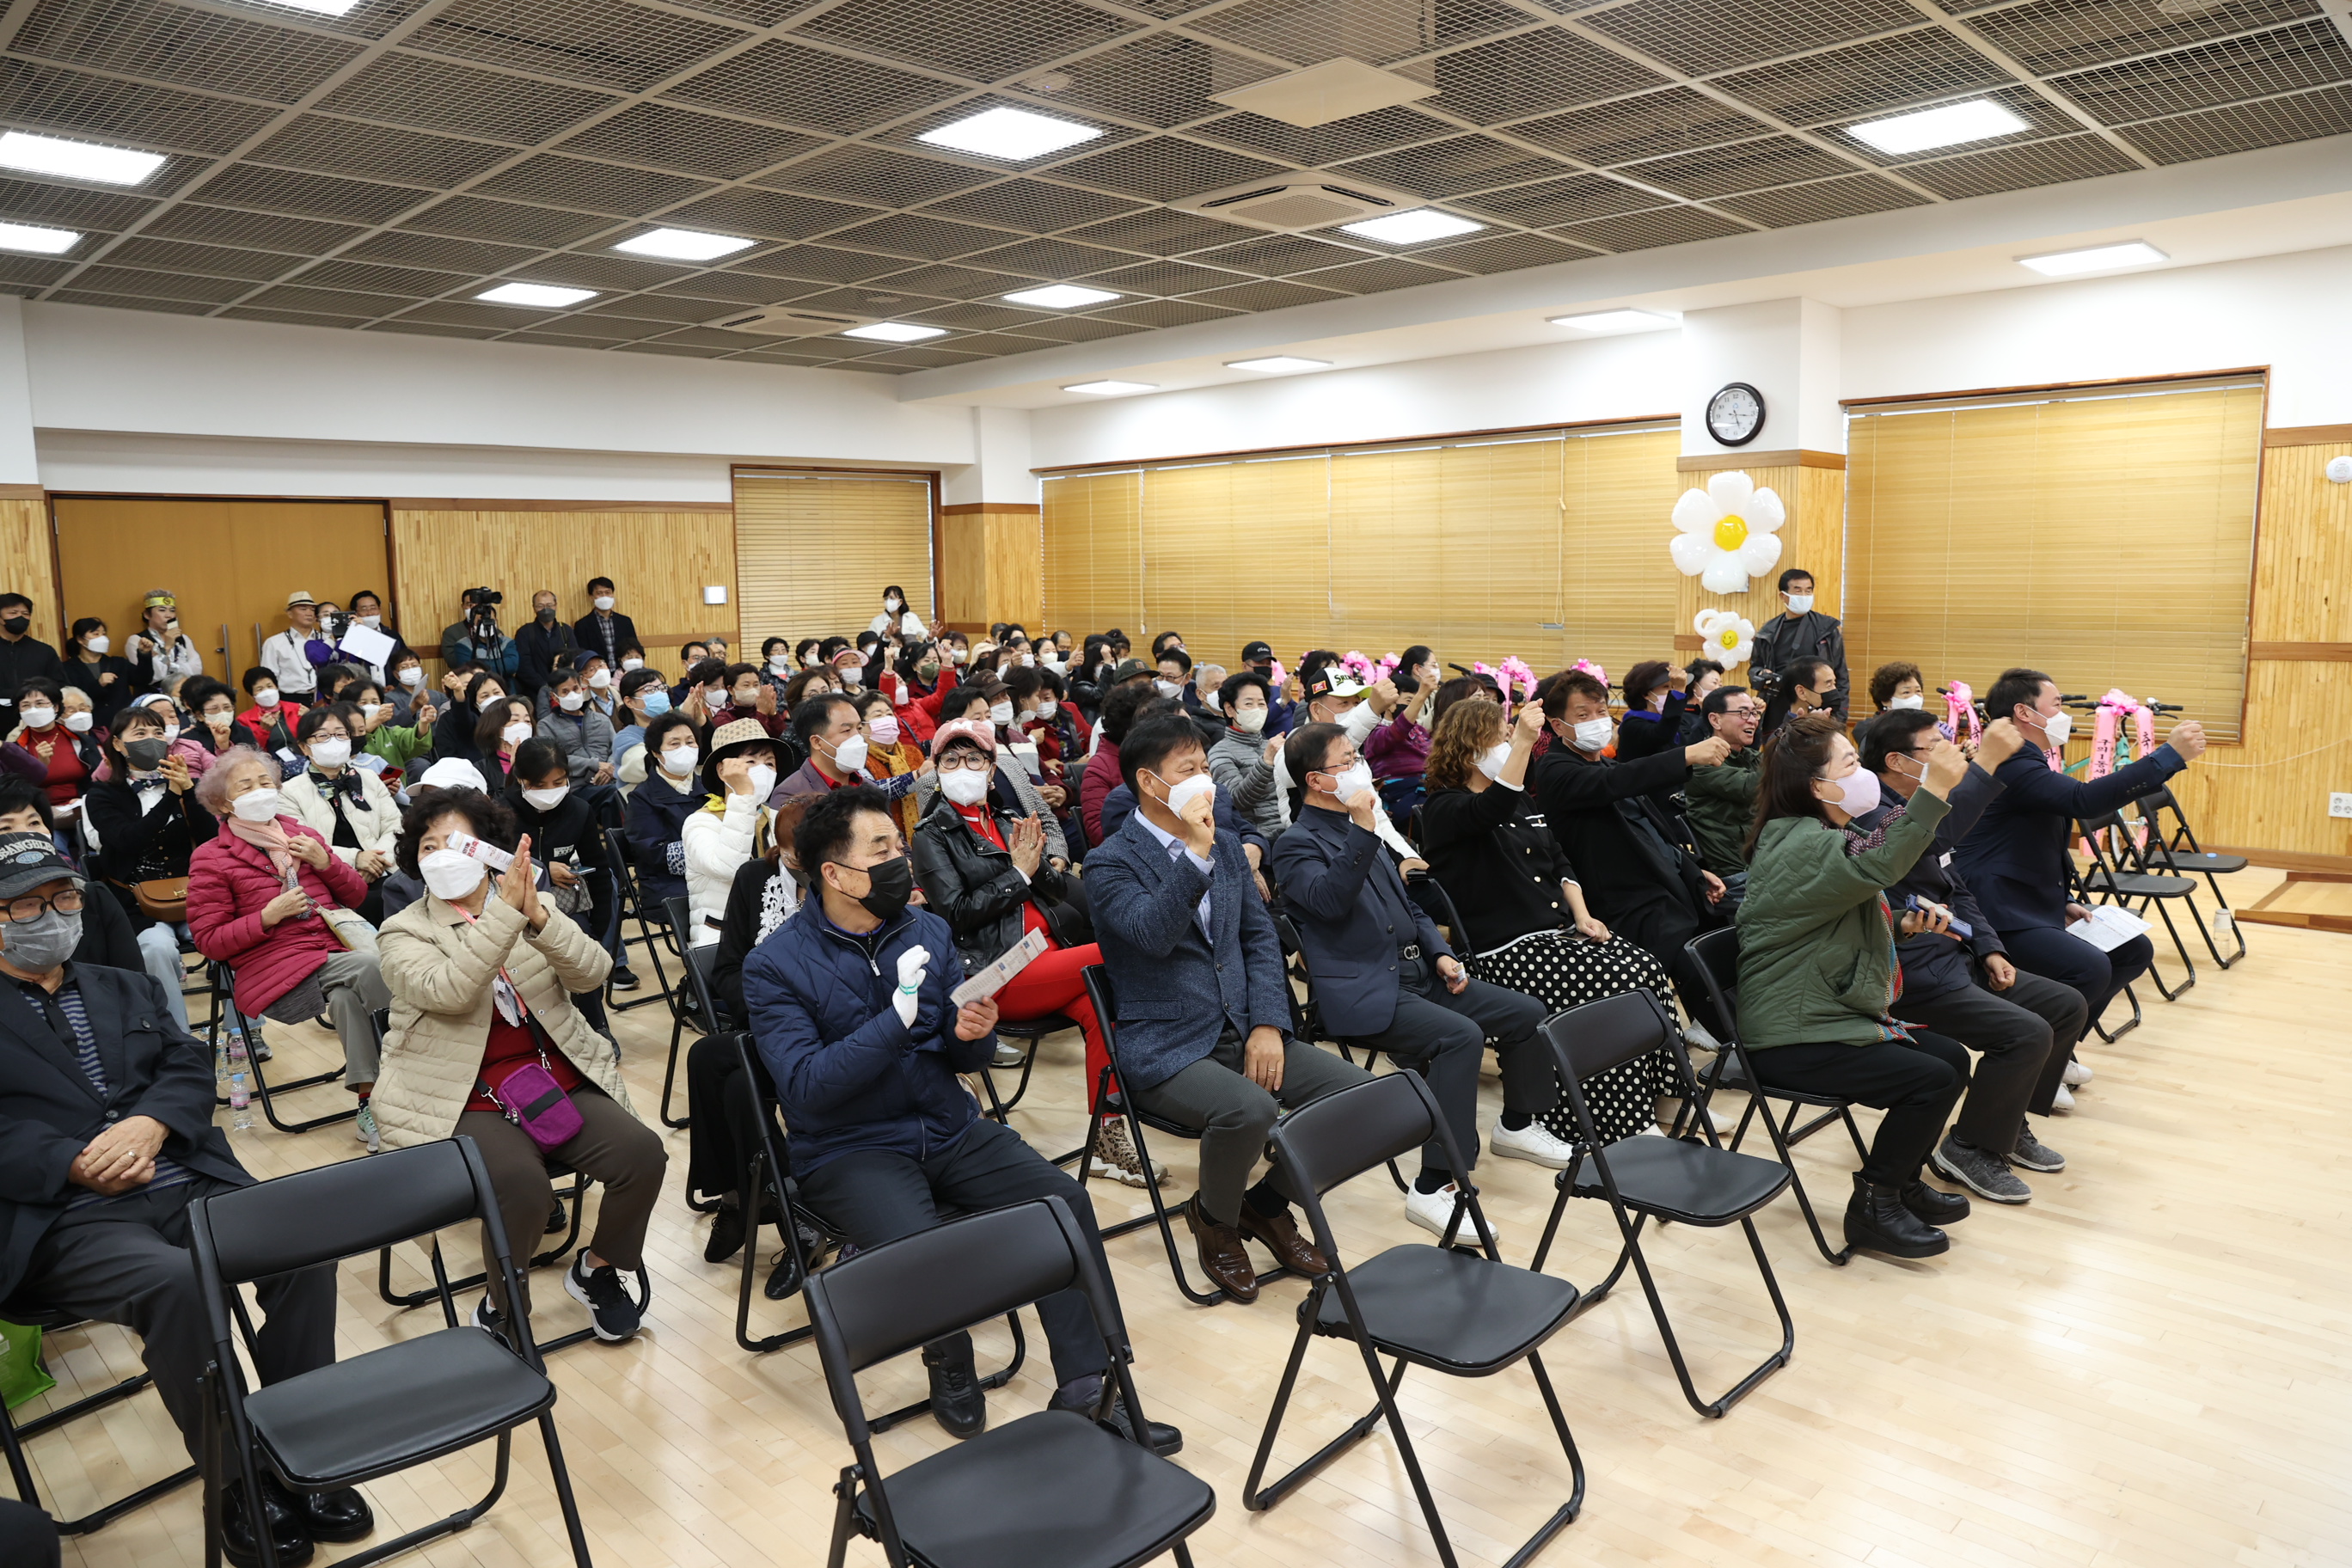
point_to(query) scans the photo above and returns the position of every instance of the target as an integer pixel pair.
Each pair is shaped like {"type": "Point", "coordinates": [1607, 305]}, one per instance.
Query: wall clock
{"type": "Point", "coordinates": [1735, 414]}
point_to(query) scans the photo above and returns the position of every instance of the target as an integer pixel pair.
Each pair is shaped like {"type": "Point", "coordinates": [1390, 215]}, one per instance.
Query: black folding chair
{"type": "Point", "coordinates": [2118, 875]}
{"type": "Point", "coordinates": [12, 1436]}
{"type": "Point", "coordinates": [1306, 1017]}
{"type": "Point", "coordinates": [221, 986]}
{"type": "Point", "coordinates": [1716, 955]}
{"type": "Point", "coordinates": [769, 1176]}
{"type": "Point", "coordinates": [1679, 1179]}
{"type": "Point", "coordinates": [354, 1420]}
{"type": "Point", "coordinates": [654, 929]}
{"type": "Point", "coordinates": [1049, 1489]}
{"type": "Point", "coordinates": [2177, 854]}
{"type": "Point", "coordinates": [1116, 1101]}
{"type": "Point", "coordinates": [1030, 1032]}
{"type": "Point", "coordinates": [691, 1004]}
{"type": "Point", "coordinates": [1459, 1312]}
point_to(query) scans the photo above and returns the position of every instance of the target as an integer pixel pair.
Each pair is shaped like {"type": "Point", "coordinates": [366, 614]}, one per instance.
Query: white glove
{"type": "Point", "coordinates": [912, 964]}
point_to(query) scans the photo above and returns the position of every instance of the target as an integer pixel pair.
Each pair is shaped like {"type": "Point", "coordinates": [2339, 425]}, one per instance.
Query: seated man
{"type": "Point", "coordinates": [1723, 798]}
{"type": "Point", "coordinates": [2024, 1026]}
{"type": "Point", "coordinates": [1807, 686]}
{"type": "Point", "coordinates": [848, 1001]}
{"type": "Point", "coordinates": [2016, 861]}
{"type": "Point", "coordinates": [1387, 981]}
{"type": "Point", "coordinates": [1204, 1031]}
{"type": "Point", "coordinates": [105, 1136]}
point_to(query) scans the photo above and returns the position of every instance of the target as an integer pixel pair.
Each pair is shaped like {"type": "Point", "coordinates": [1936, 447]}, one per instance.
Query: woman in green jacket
{"type": "Point", "coordinates": [1818, 974]}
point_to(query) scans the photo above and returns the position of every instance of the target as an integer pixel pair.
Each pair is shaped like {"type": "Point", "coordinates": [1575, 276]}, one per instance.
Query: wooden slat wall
{"type": "Point", "coordinates": [28, 563]}
{"type": "Point", "coordinates": [660, 562]}
{"type": "Point", "coordinates": [816, 551]}
{"type": "Point", "coordinates": [1094, 552]}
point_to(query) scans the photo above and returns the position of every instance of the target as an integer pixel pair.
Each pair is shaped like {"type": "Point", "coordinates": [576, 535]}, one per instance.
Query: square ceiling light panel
{"type": "Point", "coordinates": [38, 240]}
{"type": "Point", "coordinates": [2096, 258]}
{"type": "Point", "coordinates": [1061, 297]}
{"type": "Point", "coordinates": [545, 296]}
{"type": "Point", "coordinates": [1336, 90]}
{"type": "Point", "coordinates": [895, 333]}
{"type": "Point", "coordinates": [77, 160]}
{"type": "Point", "coordinates": [685, 244]}
{"type": "Point", "coordinates": [1417, 225]}
{"type": "Point", "coordinates": [1013, 135]}
{"type": "Point", "coordinates": [1979, 119]}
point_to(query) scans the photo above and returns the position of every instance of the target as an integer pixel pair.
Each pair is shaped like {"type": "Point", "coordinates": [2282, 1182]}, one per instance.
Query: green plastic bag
{"type": "Point", "coordinates": [21, 1373]}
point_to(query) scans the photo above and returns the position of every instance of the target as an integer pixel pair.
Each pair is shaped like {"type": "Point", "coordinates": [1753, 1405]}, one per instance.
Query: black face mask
{"type": "Point", "coordinates": [892, 883]}
{"type": "Point", "coordinates": [145, 753]}
{"type": "Point", "coordinates": [17, 625]}
{"type": "Point", "coordinates": [547, 615]}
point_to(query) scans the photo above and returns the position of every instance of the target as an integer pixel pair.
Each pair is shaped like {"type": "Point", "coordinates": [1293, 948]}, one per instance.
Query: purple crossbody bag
{"type": "Point", "coordinates": [535, 1103]}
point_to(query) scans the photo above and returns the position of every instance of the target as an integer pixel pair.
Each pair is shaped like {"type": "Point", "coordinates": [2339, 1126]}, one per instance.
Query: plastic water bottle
{"type": "Point", "coordinates": [241, 1103]}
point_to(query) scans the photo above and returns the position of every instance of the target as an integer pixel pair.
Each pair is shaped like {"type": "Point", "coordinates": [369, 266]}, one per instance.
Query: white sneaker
{"type": "Point", "coordinates": [1696, 1033]}
{"type": "Point", "coordinates": [2077, 1073]}
{"type": "Point", "coordinates": [1534, 1142]}
{"type": "Point", "coordinates": [1008, 1055]}
{"type": "Point", "coordinates": [2063, 1102]}
{"type": "Point", "coordinates": [363, 1129]}
{"type": "Point", "coordinates": [1433, 1211]}
{"type": "Point", "coordinates": [1115, 1156]}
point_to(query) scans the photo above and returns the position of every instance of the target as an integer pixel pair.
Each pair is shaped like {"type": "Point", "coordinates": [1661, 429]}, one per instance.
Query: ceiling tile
{"type": "Point", "coordinates": [2327, 111]}
{"type": "Point", "coordinates": [603, 43]}
{"type": "Point", "coordinates": [331, 302]}
{"type": "Point", "coordinates": [184, 45]}
{"type": "Point", "coordinates": [1163, 277]}
{"type": "Point", "coordinates": [1080, 329]}
{"type": "Point", "coordinates": [26, 270]}
{"type": "Point", "coordinates": [821, 263]}
{"type": "Point", "coordinates": [414, 281]}
{"type": "Point", "coordinates": [977, 39]}
{"type": "Point", "coordinates": [259, 231]}
{"type": "Point", "coordinates": [291, 318]}
{"type": "Point", "coordinates": [1309, 146]}
{"type": "Point", "coordinates": [129, 303]}
{"type": "Point", "coordinates": [318, 144]}
{"type": "Point", "coordinates": [1166, 312]}
{"type": "Point", "coordinates": [2064, 34]}
{"type": "Point", "coordinates": [1375, 277]}
{"type": "Point", "coordinates": [1528, 73]}
{"type": "Point", "coordinates": [1266, 296]}
{"type": "Point", "coordinates": [1052, 258]}
{"type": "Point", "coordinates": [738, 289]}
{"type": "Point", "coordinates": [923, 239]}
{"type": "Point", "coordinates": [2049, 162]}
{"type": "Point", "coordinates": [1845, 196]}
{"type": "Point", "coordinates": [409, 328]}
{"type": "Point", "coordinates": [981, 318]}
{"type": "Point", "coordinates": [39, 201]}
{"type": "Point", "coordinates": [441, 95]}
{"type": "Point", "coordinates": [1875, 78]}
{"type": "Point", "coordinates": [612, 188]}
{"type": "Point", "coordinates": [769, 214]}
{"type": "Point", "coordinates": [578, 332]}
{"type": "Point", "coordinates": [2308, 54]}
{"type": "Point", "coordinates": [433, 250]}
{"type": "Point", "coordinates": [1161, 231]}
{"type": "Point", "coordinates": [1450, 167]}
{"type": "Point", "coordinates": [44, 98]}
{"type": "Point", "coordinates": [1505, 253]}
{"type": "Point", "coordinates": [1675, 119]}
{"type": "Point", "coordinates": [709, 338]}
{"type": "Point", "coordinates": [1277, 255]}
{"type": "Point", "coordinates": [651, 308]}
{"type": "Point", "coordinates": [474, 218]}
{"type": "Point", "coordinates": [465, 313]}
{"type": "Point", "coordinates": [1164, 169]}
{"type": "Point", "coordinates": [954, 282]}
{"type": "Point", "coordinates": [590, 270]}
{"type": "Point", "coordinates": [1308, 32]}
{"type": "Point", "coordinates": [877, 302]}
{"type": "Point", "coordinates": [784, 82]}
{"type": "Point", "coordinates": [876, 175]}
{"type": "Point", "coordinates": [1034, 206]}
{"type": "Point", "coordinates": [1703, 36]}
{"type": "Point", "coordinates": [1663, 226]}
{"type": "Point", "coordinates": [160, 285]}
{"type": "Point", "coordinates": [1160, 78]}
{"type": "Point", "coordinates": [1570, 200]}
{"type": "Point", "coordinates": [210, 260]}
{"type": "Point", "coordinates": [1747, 166]}
{"type": "Point", "coordinates": [672, 138]}
{"type": "Point", "coordinates": [308, 195]}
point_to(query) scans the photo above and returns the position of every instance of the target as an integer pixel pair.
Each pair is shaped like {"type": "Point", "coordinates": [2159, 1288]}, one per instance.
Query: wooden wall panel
{"type": "Point", "coordinates": [28, 564]}
{"type": "Point", "coordinates": [1015, 563]}
{"type": "Point", "coordinates": [964, 572]}
{"type": "Point", "coordinates": [1814, 537]}
{"type": "Point", "coordinates": [659, 562]}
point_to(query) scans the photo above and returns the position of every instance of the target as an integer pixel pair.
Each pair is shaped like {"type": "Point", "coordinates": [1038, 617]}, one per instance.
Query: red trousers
{"type": "Point", "coordinates": [1052, 984]}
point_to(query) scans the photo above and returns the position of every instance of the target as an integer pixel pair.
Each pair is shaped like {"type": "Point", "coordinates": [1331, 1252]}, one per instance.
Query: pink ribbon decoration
{"type": "Point", "coordinates": [1591, 670]}
{"type": "Point", "coordinates": [1281, 676]}
{"type": "Point", "coordinates": [1960, 713]}
{"type": "Point", "coordinates": [2113, 706]}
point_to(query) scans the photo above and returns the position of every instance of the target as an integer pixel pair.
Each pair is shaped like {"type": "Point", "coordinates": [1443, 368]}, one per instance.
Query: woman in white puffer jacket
{"type": "Point", "coordinates": [732, 825]}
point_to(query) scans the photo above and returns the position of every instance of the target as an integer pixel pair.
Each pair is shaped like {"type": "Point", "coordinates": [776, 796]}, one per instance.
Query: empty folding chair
{"type": "Point", "coordinates": [222, 988]}
{"type": "Point", "coordinates": [370, 1415]}
{"type": "Point", "coordinates": [653, 930]}
{"type": "Point", "coordinates": [1679, 1179]}
{"type": "Point", "coordinates": [2110, 877]}
{"type": "Point", "coordinates": [1458, 1312]}
{"type": "Point", "coordinates": [13, 1436]}
{"type": "Point", "coordinates": [2177, 853]}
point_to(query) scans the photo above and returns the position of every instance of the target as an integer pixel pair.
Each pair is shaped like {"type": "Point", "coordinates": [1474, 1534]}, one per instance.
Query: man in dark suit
{"type": "Point", "coordinates": [603, 629]}
{"type": "Point", "coordinates": [1203, 1008]}
{"type": "Point", "coordinates": [1386, 979]}
{"type": "Point", "coordinates": [1120, 804]}
{"type": "Point", "coordinates": [2015, 857]}
{"type": "Point", "coordinates": [105, 1136]}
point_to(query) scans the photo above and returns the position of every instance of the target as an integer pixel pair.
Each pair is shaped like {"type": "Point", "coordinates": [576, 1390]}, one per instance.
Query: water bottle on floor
{"type": "Point", "coordinates": [241, 1103]}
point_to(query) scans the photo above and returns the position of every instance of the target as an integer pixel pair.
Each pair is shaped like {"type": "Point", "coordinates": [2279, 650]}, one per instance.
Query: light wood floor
{"type": "Point", "coordinates": [2147, 1367]}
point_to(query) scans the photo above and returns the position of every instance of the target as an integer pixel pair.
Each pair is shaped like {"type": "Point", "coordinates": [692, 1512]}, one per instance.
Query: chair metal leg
{"type": "Point", "coordinates": [999, 1108]}
{"type": "Point", "coordinates": [1566, 1514]}
{"type": "Point", "coordinates": [13, 1436]}
{"type": "Point", "coordinates": [2178, 946]}
{"type": "Point", "coordinates": [669, 1074]}
{"type": "Point", "coordinates": [264, 1093]}
{"type": "Point", "coordinates": [991, 1380]}
{"type": "Point", "coordinates": [756, 1189]}
{"type": "Point", "coordinates": [2129, 1025]}
{"type": "Point", "coordinates": [651, 937]}
{"type": "Point", "coordinates": [1257, 1499]}
{"type": "Point", "coordinates": [1715, 1408]}
{"type": "Point", "coordinates": [844, 1515]}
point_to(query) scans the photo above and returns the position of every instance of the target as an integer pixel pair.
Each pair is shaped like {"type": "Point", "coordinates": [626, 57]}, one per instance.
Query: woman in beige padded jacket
{"type": "Point", "coordinates": [482, 973]}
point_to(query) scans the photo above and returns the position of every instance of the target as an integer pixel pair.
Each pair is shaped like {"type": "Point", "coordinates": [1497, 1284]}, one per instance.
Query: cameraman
{"type": "Point", "coordinates": [539, 644]}
{"type": "Point", "coordinates": [294, 655]}
{"type": "Point", "coordinates": [477, 639]}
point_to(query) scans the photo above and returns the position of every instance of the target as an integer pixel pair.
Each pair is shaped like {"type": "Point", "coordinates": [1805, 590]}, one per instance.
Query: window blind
{"type": "Point", "coordinates": [813, 552]}
{"type": "Point", "coordinates": [2105, 536]}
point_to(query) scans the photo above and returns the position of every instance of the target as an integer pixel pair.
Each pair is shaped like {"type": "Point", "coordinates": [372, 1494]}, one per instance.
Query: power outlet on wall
{"type": "Point", "coordinates": [2339, 803]}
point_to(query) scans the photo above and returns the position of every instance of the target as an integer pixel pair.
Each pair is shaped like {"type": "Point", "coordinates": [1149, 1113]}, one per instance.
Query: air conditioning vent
{"type": "Point", "coordinates": [783, 322]}
{"type": "Point", "coordinates": [1287, 207]}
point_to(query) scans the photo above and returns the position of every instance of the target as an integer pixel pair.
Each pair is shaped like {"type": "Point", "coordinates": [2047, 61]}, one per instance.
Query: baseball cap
{"type": "Point", "coordinates": [974, 731]}
{"type": "Point", "coordinates": [29, 859]}
{"type": "Point", "coordinates": [1256, 651]}
{"type": "Point", "coordinates": [1333, 680]}
{"type": "Point", "coordinates": [1128, 668]}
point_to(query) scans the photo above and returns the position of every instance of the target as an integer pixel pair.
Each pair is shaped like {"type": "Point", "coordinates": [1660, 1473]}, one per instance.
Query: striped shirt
{"type": "Point", "coordinates": [66, 1005]}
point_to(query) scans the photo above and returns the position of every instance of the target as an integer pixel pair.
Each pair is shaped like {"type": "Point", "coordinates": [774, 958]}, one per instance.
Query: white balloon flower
{"type": "Point", "coordinates": [1729, 532]}
{"type": "Point", "coordinates": [1730, 637]}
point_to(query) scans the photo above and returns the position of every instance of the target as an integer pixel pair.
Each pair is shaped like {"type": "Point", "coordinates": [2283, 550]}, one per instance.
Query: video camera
{"type": "Point", "coordinates": [334, 623]}
{"type": "Point", "coordinates": [1764, 683]}
{"type": "Point", "coordinates": [485, 604]}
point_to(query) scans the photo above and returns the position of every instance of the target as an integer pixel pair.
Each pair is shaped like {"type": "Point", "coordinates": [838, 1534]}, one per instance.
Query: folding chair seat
{"type": "Point", "coordinates": [654, 931]}
{"type": "Point", "coordinates": [1049, 1489]}
{"type": "Point", "coordinates": [1459, 1312]}
{"type": "Point", "coordinates": [221, 985]}
{"type": "Point", "coordinates": [2177, 854]}
{"type": "Point", "coordinates": [1693, 1182]}
{"type": "Point", "coordinates": [14, 1436]}
{"type": "Point", "coordinates": [388, 1410]}
{"type": "Point", "coordinates": [2112, 876]}
{"type": "Point", "coordinates": [1716, 955]}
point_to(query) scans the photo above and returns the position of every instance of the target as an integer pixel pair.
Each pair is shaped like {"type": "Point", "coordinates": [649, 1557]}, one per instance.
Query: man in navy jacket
{"type": "Point", "coordinates": [849, 1004]}
{"type": "Point", "coordinates": [2015, 859]}
{"type": "Point", "coordinates": [1385, 979]}
{"type": "Point", "coordinates": [1203, 1008]}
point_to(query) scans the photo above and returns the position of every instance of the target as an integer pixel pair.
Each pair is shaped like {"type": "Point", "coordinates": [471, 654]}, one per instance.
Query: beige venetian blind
{"type": "Point", "coordinates": [1618, 587]}
{"type": "Point", "coordinates": [813, 552]}
{"type": "Point", "coordinates": [1093, 563]}
{"type": "Point", "coordinates": [2105, 537]}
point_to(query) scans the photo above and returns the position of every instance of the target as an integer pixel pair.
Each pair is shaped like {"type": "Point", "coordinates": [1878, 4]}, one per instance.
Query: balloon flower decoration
{"type": "Point", "coordinates": [1729, 532]}
{"type": "Point", "coordinates": [2109, 722]}
{"type": "Point", "coordinates": [1728, 636]}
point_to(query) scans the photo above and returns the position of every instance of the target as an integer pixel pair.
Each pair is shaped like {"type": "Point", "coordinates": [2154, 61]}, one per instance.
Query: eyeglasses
{"type": "Point", "coordinates": [968, 761]}
{"type": "Point", "coordinates": [33, 907]}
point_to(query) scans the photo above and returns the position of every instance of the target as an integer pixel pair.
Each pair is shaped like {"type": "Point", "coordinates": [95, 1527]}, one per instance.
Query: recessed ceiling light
{"type": "Point", "coordinates": [1061, 297]}
{"type": "Point", "coordinates": [685, 244]}
{"type": "Point", "coordinates": [1615, 321]}
{"type": "Point", "coordinates": [1272, 363]}
{"type": "Point", "coordinates": [77, 160]}
{"type": "Point", "coordinates": [1412, 226]}
{"type": "Point", "coordinates": [48, 241]}
{"type": "Point", "coordinates": [1110, 388]}
{"type": "Point", "coordinates": [2097, 259]}
{"type": "Point", "coordinates": [1974, 120]}
{"type": "Point", "coordinates": [315, 7]}
{"type": "Point", "coordinates": [543, 295]}
{"type": "Point", "coordinates": [895, 333]}
{"type": "Point", "coordinates": [1014, 135]}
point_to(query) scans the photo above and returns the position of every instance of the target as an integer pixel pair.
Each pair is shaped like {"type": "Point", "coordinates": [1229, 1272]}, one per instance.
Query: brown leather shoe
{"type": "Point", "coordinates": [1222, 1256]}
{"type": "Point", "coordinates": [1281, 1236]}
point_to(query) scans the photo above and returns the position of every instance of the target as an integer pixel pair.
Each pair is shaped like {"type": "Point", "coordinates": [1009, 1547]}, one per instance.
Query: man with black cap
{"type": "Point", "coordinates": [1280, 713]}
{"type": "Point", "coordinates": [105, 1136]}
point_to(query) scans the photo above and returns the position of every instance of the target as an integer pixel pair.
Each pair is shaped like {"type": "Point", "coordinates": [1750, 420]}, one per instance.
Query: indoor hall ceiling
{"type": "Point", "coordinates": [378, 169]}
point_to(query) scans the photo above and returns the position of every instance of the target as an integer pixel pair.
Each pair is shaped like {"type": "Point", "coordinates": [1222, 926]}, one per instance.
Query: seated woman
{"type": "Point", "coordinates": [386, 745]}
{"type": "Point", "coordinates": [56, 753]}
{"type": "Point", "coordinates": [1817, 970]}
{"type": "Point", "coordinates": [108, 680]}
{"type": "Point", "coordinates": [148, 824]}
{"type": "Point", "coordinates": [985, 702]}
{"type": "Point", "coordinates": [1655, 695]}
{"type": "Point", "coordinates": [1398, 747]}
{"type": "Point", "coordinates": [455, 735]}
{"type": "Point", "coordinates": [569, 843]}
{"type": "Point", "coordinates": [212, 714]}
{"type": "Point", "coordinates": [658, 809]}
{"type": "Point", "coordinates": [574, 726]}
{"type": "Point", "coordinates": [482, 980]}
{"type": "Point", "coordinates": [731, 825]}
{"type": "Point", "coordinates": [1897, 684]}
{"type": "Point", "coordinates": [1705, 675]}
{"type": "Point", "coordinates": [407, 688]}
{"type": "Point", "coordinates": [1525, 921]}
{"type": "Point", "coordinates": [335, 683]}
{"type": "Point", "coordinates": [643, 699]}
{"type": "Point", "coordinates": [892, 761]}
{"type": "Point", "coordinates": [179, 737]}
{"type": "Point", "coordinates": [269, 721]}
{"type": "Point", "coordinates": [268, 898]}
{"type": "Point", "coordinates": [343, 804]}
{"type": "Point", "coordinates": [504, 725]}
{"type": "Point", "coordinates": [750, 696]}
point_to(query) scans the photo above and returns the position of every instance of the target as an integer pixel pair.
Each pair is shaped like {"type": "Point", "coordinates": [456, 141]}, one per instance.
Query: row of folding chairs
{"type": "Point", "coordinates": [2143, 865]}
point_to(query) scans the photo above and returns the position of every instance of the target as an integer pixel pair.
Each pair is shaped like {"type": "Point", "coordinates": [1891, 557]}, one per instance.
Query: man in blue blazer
{"type": "Point", "coordinates": [1386, 980]}
{"type": "Point", "coordinates": [1203, 1023]}
{"type": "Point", "coordinates": [2015, 858]}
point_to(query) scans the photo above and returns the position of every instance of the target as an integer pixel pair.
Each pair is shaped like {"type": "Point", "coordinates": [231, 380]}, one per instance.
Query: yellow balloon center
{"type": "Point", "coordinates": [1727, 638]}
{"type": "Point", "coordinates": [1731, 533]}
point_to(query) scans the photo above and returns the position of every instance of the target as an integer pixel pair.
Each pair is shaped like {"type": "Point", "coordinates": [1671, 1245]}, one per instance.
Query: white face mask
{"type": "Point", "coordinates": [98, 644]}
{"type": "Point", "coordinates": [1352, 783]}
{"type": "Point", "coordinates": [885, 731]}
{"type": "Point", "coordinates": [372, 622]}
{"type": "Point", "coordinates": [1250, 721]}
{"type": "Point", "coordinates": [545, 799]}
{"type": "Point", "coordinates": [331, 754]}
{"type": "Point", "coordinates": [1491, 761]}
{"type": "Point", "coordinates": [598, 679]}
{"type": "Point", "coordinates": [1857, 792]}
{"type": "Point", "coordinates": [516, 733]}
{"type": "Point", "coordinates": [1914, 701]}
{"type": "Point", "coordinates": [629, 663]}
{"type": "Point", "coordinates": [79, 724]}
{"type": "Point", "coordinates": [956, 656]}
{"type": "Point", "coordinates": [965, 786]}
{"type": "Point", "coordinates": [450, 875]}
{"type": "Point", "coordinates": [412, 676]}
{"type": "Point", "coordinates": [763, 780]}
{"type": "Point", "coordinates": [573, 701]}
{"type": "Point", "coordinates": [1000, 713]}
{"type": "Point", "coordinates": [678, 761]}
{"type": "Point", "coordinates": [368, 711]}
{"type": "Point", "coordinates": [265, 698]}
{"type": "Point", "coordinates": [1593, 734]}
{"type": "Point", "coordinates": [1800, 602]}
{"type": "Point", "coordinates": [782, 664]}
{"type": "Point", "coordinates": [171, 734]}
{"type": "Point", "coordinates": [1166, 688]}
{"type": "Point", "coordinates": [256, 806]}
{"type": "Point", "coordinates": [850, 754]}
{"type": "Point", "coordinates": [2057, 728]}
{"type": "Point", "coordinates": [603, 601]}
{"type": "Point", "coordinates": [1184, 792]}
{"type": "Point", "coordinates": [1048, 708]}
{"type": "Point", "coordinates": [40, 718]}
{"type": "Point", "coordinates": [745, 701]}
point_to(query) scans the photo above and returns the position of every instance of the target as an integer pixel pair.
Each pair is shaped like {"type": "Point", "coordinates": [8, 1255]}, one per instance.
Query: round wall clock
{"type": "Point", "coordinates": [1735, 414]}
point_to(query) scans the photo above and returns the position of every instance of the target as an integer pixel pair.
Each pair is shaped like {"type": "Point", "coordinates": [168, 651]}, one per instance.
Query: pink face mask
{"type": "Point", "coordinates": [1857, 791]}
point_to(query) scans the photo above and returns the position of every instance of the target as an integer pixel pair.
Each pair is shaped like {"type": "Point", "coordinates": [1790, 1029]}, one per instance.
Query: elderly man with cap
{"type": "Point", "coordinates": [294, 655]}
{"type": "Point", "coordinates": [1334, 696]}
{"type": "Point", "coordinates": [105, 1136]}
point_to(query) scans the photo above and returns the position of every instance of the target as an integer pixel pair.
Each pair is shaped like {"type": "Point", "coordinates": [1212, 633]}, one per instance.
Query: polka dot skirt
{"type": "Point", "coordinates": [1562, 970]}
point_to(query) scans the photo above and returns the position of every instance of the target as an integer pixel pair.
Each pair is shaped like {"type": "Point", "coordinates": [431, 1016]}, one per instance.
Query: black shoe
{"type": "Point", "coordinates": [1935, 1207]}
{"type": "Point", "coordinates": [623, 978]}
{"type": "Point", "coordinates": [336, 1515]}
{"type": "Point", "coordinates": [957, 1401]}
{"type": "Point", "coordinates": [727, 1228]}
{"type": "Point", "coordinates": [1085, 1396]}
{"type": "Point", "coordinates": [784, 1278]}
{"type": "Point", "coordinates": [286, 1529]}
{"type": "Point", "coordinates": [556, 1219]}
{"type": "Point", "coordinates": [612, 1313]}
{"type": "Point", "coordinates": [1878, 1221]}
